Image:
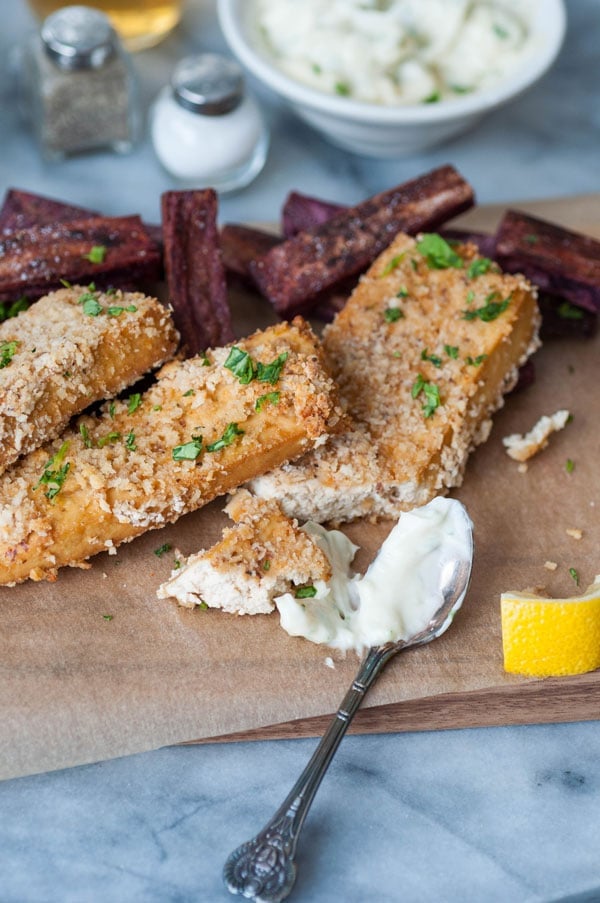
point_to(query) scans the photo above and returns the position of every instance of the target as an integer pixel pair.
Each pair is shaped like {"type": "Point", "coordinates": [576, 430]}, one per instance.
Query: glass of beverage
{"type": "Point", "coordinates": [140, 23]}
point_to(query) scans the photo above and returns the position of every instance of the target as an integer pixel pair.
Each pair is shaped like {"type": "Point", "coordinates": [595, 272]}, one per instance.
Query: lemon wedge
{"type": "Point", "coordinates": [551, 637]}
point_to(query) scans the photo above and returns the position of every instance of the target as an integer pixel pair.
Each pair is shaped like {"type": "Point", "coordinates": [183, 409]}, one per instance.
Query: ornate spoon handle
{"type": "Point", "coordinates": [263, 869]}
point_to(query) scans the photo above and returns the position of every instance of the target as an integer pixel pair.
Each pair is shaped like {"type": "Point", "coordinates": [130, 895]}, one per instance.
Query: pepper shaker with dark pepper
{"type": "Point", "coordinates": [79, 85]}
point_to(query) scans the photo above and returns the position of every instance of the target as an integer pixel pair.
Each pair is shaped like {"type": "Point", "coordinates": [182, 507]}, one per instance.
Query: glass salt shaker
{"type": "Point", "coordinates": [207, 130]}
{"type": "Point", "coordinates": [79, 85]}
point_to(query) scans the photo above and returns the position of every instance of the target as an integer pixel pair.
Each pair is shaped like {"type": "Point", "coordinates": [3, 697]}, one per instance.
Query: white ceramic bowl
{"type": "Point", "coordinates": [391, 131]}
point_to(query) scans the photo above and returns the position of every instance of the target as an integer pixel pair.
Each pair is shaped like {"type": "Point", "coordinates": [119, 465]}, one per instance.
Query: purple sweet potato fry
{"type": "Point", "coordinates": [24, 210]}
{"type": "Point", "coordinates": [241, 244]}
{"type": "Point", "coordinates": [194, 269]}
{"type": "Point", "coordinates": [558, 261]}
{"type": "Point", "coordinates": [33, 261]}
{"type": "Point", "coordinates": [293, 274]}
{"type": "Point", "coordinates": [301, 213]}
{"type": "Point", "coordinates": [562, 319]}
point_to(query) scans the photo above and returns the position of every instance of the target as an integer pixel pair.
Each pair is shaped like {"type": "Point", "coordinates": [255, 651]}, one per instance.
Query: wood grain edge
{"type": "Point", "coordinates": [537, 702]}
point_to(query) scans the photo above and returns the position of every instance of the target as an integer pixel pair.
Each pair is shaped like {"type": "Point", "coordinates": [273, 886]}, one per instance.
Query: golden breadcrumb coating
{"type": "Point", "coordinates": [122, 477]}
{"type": "Point", "coordinates": [64, 359]}
{"type": "Point", "coordinates": [423, 357]}
{"type": "Point", "coordinates": [263, 556]}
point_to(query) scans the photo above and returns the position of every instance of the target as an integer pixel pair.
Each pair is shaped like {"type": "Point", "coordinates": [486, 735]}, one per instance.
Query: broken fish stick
{"type": "Point", "coordinates": [72, 348]}
{"type": "Point", "coordinates": [207, 425]}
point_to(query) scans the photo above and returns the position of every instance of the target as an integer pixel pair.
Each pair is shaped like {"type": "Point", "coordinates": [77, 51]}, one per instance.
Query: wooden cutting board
{"type": "Point", "coordinates": [77, 687]}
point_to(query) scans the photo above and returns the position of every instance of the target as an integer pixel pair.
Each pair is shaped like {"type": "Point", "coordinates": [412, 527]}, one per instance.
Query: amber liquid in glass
{"type": "Point", "coordinates": [140, 23]}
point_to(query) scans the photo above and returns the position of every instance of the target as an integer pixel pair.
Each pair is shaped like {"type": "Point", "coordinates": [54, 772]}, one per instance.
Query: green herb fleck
{"type": "Point", "coordinates": [434, 97]}
{"type": "Point", "coordinates": [568, 311]}
{"type": "Point", "coordinates": [316, 68]}
{"type": "Point", "coordinates": [531, 239]}
{"type": "Point", "coordinates": [306, 592]}
{"type": "Point", "coordinates": [241, 365]}
{"type": "Point", "coordinates": [397, 354]}
{"type": "Point", "coordinates": [96, 255]}
{"type": "Point", "coordinates": [438, 253]}
{"type": "Point", "coordinates": [66, 283]}
{"type": "Point", "coordinates": [269, 398]}
{"type": "Point", "coordinates": [475, 361]}
{"type": "Point", "coordinates": [189, 392]}
{"type": "Point", "coordinates": [130, 441]}
{"type": "Point", "coordinates": [342, 88]}
{"type": "Point", "coordinates": [491, 310]}
{"type": "Point", "coordinates": [417, 386]}
{"type": "Point", "coordinates": [231, 431]}
{"type": "Point", "coordinates": [461, 89]}
{"type": "Point", "coordinates": [55, 473]}
{"type": "Point", "coordinates": [470, 297]}
{"type": "Point", "coordinates": [110, 437]}
{"type": "Point", "coordinates": [157, 407]}
{"type": "Point", "coordinates": [479, 267]}
{"type": "Point", "coordinates": [90, 305]}
{"type": "Point", "coordinates": [203, 606]}
{"type": "Point", "coordinates": [451, 351]}
{"type": "Point", "coordinates": [166, 547]}
{"type": "Point", "coordinates": [414, 264]}
{"type": "Point", "coordinates": [176, 564]}
{"type": "Point", "coordinates": [8, 309]}
{"type": "Point", "coordinates": [111, 410]}
{"type": "Point", "coordinates": [570, 465]}
{"type": "Point", "coordinates": [432, 358]}
{"type": "Point", "coordinates": [574, 575]}
{"type": "Point", "coordinates": [392, 264]}
{"type": "Point", "coordinates": [392, 314]}
{"type": "Point", "coordinates": [403, 293]}
{"type": "Point", "coordinates": [266, 565]}
{"type": "Point", "coordinates": [431, 392]}
{"type": "Point", "coordinates": [107, 617]}
{"type": "Point", "coordinates": [85, 435]}
{"type": "Point", "coordinates": [500, 31]}
{"type": "Point", "coordinates": [205, 360]}
{"type": "Point", "coordinates": [7, 352]}
{"type": "Point", "coordinates": [134, 402]}
{"type": "Point", "coordinates": [189, 451]}
{"type": "Point", "coordinates": [270, 373]}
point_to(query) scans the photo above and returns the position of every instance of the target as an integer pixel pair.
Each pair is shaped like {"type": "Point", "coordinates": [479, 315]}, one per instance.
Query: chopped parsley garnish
{"type": "Point", "coordinates": [111, 410]}
{"type": "Point", "coordinates": [166, 547]}
{"type": "Point", "coordinates": [491, 310]}
{"type": "Point", "coordinates": [479, 267]}
{"type": "Point", "coordinates": [414, 264]}
{"type": "Point", "coordinates": [306, 592]}
{"type": "Point", "coordinates": [266, 565]}
{"type": "Point", "coordinates": [470, 297]}
{"type": "Point", "coordinates": [8, 309]}
{"type": "Point", "coordinates": [396, 354]}
{"type": "Point", "coordinates": [134, 402]}
{"type": "Point", "coordinates": [269, 398]}
{"type": "Point", "coordinates": [475, 361]}
{"type": "Point", "coordinates": [231, 431]}
{"type": "Point", "coordinates": [117, 311]}
{"type": "Point", "coordinates": [461, 89]}
{"type": "Point", "coordinates": [393, 264]}
{"type": "Point", "coordinates": [500, 31]}
{"type": "Point", "coordinates": [85, 435]}
{"type": "Point", "coordinates": [568, 311]}
{"type": "Point", "coordinates": [107, 617]}
{"type": "Point", "coordinates": [451, 351]}
{"type": "Point", "coordinates": [205, 360]}
{"type": "Point", "coordinates": [342, 88]}
{"type": "Point", "coordinates": [130, 441]}
{"type": "Point", "coordinates": [189, 392]}
{"type": "Point", "coordinates": [570, 465]}
{"type": "Point", "coordinates": [531, 239]}
{"type": "Point", "coordinates": [110, 437]}
{"type": "Point", "coordinates": [431, 393]}
{"type": "Point", "coordinates": [316, 68]}
{"type": "Point", "coordinates": [157, 407]}
{"type": "Point", "coordinates": [241, 365]}
{"type": "Point", "coordinates": [176, 564]}
{"type": "Point", "coordinates": [203, 606]}
{"type": "Point", "coordinates": [7, 352]}
{"type": "Point", "coordinates": [90, 305]}
{"type": "Point", "coordinates": [55, 473]}
{"type": "Point", "coordinates": [96, 255]}
{"type": "Point", "coordinates": [270, 373]}
{"type": "Point", "coordinates": [189, 451]}
{"type": "Point", "coordinates": [434, 97]}
{"type": "Point", "coordinates": [438, 253]}
{"type": "Point", "coordinates": [66, 283]}
{"type": "Point", "coordinates": [432, 358]}
{"type": "Point", "coordinates": [392, 314]}
{"type": "Point", "coordinates": [574, 575]}
{"type": "Point", "coordinates": [403, 293]}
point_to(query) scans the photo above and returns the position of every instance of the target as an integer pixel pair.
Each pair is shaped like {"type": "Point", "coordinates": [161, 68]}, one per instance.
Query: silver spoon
{"type": "Point", "coordinates": [263, 869]}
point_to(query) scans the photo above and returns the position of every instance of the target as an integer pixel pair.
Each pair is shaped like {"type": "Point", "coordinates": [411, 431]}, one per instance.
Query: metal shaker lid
{"type": "Point", "coordinates": [77, 37]}
{"type": "Point", "coordinates": [208, 83]}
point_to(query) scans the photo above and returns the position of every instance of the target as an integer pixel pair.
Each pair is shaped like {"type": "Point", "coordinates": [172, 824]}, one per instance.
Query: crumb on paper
{"type": "Point", "coordinates": [110, 546]}
{"type": "Point", "coordinates": [550, 565]}
{"type": "Point", "coordinates": [575, 532]}
{"type": "Point", "coordinates": [522, 468]}
{"type": "Point", "coordinates": [104, 575]}
{"type": "Point", "coordinates": [330, 663]}
{"type": "Point", "coordinates": [522, 447]}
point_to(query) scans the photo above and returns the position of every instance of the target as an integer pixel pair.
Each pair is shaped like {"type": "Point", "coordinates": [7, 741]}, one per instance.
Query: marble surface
{"type": "Point", "coordinates": [504, 814]}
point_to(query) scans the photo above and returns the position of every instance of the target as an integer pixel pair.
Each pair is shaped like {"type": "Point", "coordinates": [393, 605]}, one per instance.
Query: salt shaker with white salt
{"type": "Point", "coordinates": [207, 130]}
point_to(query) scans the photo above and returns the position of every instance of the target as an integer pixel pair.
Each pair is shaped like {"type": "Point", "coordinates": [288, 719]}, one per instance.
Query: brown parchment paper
{"type": "Point", "coordinates": [76, 687]}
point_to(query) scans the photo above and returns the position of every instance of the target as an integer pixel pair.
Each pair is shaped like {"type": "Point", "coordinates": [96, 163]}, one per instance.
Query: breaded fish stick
{"type": "Point", "coordinates": [65, 353]}
{"type": "Point", "coordinates": [423, 353]}
{"type": "Point", "coordinates": [208, 424]}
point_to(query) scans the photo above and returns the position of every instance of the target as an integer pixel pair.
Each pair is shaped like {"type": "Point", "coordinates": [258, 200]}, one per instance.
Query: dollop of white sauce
{"type": "Point", "coordinates": [394, 51]}
{"type": "Point", "coordinates": [400, 592]}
